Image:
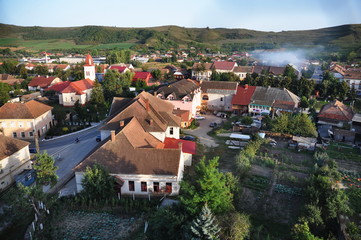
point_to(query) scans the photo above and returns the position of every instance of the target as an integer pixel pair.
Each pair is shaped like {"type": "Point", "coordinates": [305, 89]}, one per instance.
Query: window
{"type": "Point", "coordinates": [168, 187]}
{"type": "Point", "coordinates": [20, 124]}
{"type": "Point", "coordinates": [143, 186]}
{"type": "Point", "coordinates": [131, 186]}
{"type": "Point", "coordinates": [170, 97]}
{"type": "Point", "coordinates": [205, 97]}
{"type": "Point", "coordinates": [171, 131]}
{"type": "Point", "coordinates": [31, 134]}
{"type": "Point", "coordinates": [23, 134]}
{"type": "Point", "coordinates": [156, 186]}
{"type": "Point", "coordinates": [15, 135]}
{"type": "Point", "coordinates": [221, 99]}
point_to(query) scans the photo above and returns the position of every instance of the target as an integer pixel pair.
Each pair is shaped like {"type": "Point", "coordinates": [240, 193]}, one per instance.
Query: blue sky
{"type": "Point", "coordinates": [265, 15]}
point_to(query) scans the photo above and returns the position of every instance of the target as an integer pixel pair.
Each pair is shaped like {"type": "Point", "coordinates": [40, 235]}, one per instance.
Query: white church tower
{"type": "Point", "coordinates": [89, 68]}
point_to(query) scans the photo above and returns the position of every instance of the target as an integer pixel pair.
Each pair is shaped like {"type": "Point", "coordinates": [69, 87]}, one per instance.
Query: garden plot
{"type": "Point", "coordinates": [91, 225]}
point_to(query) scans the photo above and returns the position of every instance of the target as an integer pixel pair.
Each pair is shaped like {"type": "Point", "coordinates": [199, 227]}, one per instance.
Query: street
{"type": "Point", "coordinates": [66, 152]}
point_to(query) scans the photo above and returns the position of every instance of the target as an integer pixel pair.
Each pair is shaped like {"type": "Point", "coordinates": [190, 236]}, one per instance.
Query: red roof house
{"type": "Point", "coordinates": [145, 77]}
{"type": "Point", "coordinates": [59, 87]}
{"type": "Point", "coordinates": [42, 82]}
{"type": "Point", "coordinates": [335, 113]}
{"type": "Point", "coordinates": [242, 98]}
{"type": "Point", "coordinates": [224, 66]}
{"type": "Point", "coordinates": [76, 91]}
{"type": "Point", "coordinates": [120, 69]}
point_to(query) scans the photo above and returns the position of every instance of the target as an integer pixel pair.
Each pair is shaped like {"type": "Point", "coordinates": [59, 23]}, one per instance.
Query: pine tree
{"type": "Point", "coordinates": [204, 227]}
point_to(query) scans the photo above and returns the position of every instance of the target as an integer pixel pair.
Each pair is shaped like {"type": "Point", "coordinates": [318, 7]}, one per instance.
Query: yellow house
{"type": "Point", "coordinates": [14, 158]}
{"type": "Point", "coordinates": [23, 120]}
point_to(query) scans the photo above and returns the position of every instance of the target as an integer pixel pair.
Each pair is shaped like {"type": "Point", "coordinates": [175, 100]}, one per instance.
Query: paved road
{"type": "Point", "coordinates": [203, 129]}
{"type": "Point", "coordinates": [70, 152]}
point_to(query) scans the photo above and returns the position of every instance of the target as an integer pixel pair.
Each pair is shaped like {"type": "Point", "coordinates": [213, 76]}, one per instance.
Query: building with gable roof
{"type": "Point", "coordinates": [141, 147]}
{"type": "Point", "coordinates": [39, 83]}
{"type": "Point", "coordinates": [218, 95]}
{"type": "Point", "coordinates": [184, 95]}
{"type": "Point", "coordinates": [9, 79]}
{"type": "Point", "coordinates": [145, 77]}
{"type": "Point", "coordinates": [202, 71]}
{"type": "Point", "coordinates": [14, 159]}
{"type": "Point", "coordinates": [23, 120]}
{"type": "Point", "coordinates": [335, 114]}
{"type": "Point", "coordinates": [242, 98]}
{"type": "Point", "coordinates": [242, 71]}
{"type": "Point", "coordinates": [76, 91]}
{"type": "Point", "coordinates": [353, 78]}
{"type": "Point", "coordinates": [223, 66]}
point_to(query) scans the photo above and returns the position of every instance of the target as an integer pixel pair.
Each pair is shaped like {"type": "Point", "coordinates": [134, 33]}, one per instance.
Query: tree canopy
{"type": "Point", "coordinates": [207, 186]}
{"type": "Point", "coordinates": [45, 169]}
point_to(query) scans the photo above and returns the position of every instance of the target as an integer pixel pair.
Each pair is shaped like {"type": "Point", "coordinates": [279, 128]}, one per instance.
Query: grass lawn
{"type": "Point", "coordinates": [343, 152]}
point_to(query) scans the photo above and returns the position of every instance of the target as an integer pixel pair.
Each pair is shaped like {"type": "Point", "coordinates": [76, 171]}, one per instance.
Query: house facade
{"type": "Point", "coordinates": [184, 95]}
{"type": "Point", "coordinates": [14, 159]}
{"type": "Point", "coordinates": [23, 120]}
{"type": "Point", "coordinates": [242, 98]}
{"type": "Point", "coordinates": [217, 95]}
{"type": "Point", "coordinates": [154, 159]}
{"type": "Point", "coordinates": [242, 71]}
{"type": "Point", "coordinates": [353, 78]}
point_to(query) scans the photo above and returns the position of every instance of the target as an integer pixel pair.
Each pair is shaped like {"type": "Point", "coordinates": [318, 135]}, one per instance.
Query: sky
{"type": "Point", "coordinates": [263, 15]}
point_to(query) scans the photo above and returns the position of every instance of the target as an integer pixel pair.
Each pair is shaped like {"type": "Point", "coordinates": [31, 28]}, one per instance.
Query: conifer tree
{"type": "Point", "coordinates": [204, 227]}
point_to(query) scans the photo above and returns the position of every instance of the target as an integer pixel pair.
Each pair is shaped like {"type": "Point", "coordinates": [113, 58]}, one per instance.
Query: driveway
{"type": "Point", "coordinates": [203, 129]}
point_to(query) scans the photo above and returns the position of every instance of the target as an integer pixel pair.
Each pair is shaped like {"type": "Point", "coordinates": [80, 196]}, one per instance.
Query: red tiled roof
{"type": "Point", "coordinates": [41, 81]}
{"type": "Point", "coordinates": [243, 95]}
{"type": "Point", "coordinates": [187, 146]}
{"type": "Point", "coordinates": [336, 110]}
{"type": "Point", "coordinates": [141, 75]}
{"type": "Point", "coordinates": [183, 114]}
{"type": "Point", "coordinates": [224, 65]}
{"type": "Point", "coordinates": [89, 60]}
{"type": "Point", "coordinates": [62, 66]}
{"type": "Point", "coordinates": [119, 68]}
{"type": "Point", "coordinates": [59, 87]}
{"type": "Point", "coordinates": [79, 86]}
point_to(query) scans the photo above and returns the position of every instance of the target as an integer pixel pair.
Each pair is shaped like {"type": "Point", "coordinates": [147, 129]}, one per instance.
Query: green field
{"type": "Point", "coordinates": [56, 44]}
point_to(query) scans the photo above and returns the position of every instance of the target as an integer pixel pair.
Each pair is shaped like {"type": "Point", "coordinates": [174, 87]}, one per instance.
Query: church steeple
{"type": "Point", "coordinates": [89, 68]}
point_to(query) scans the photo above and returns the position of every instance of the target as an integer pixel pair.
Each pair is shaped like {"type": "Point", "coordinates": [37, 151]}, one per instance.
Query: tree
{"type": "Point", "coordinates": [208, 186]}
{"type": "Point", "coordinates": [97, 95]}
{"type": "Point", "coordinates": [204, 226]}
{"type": "Point", "coordinates": [80, 111]}
{"type": "Point", "coordinates": [235, 226]}
{"type": "Point", "coordinates": [97, 183]}
{"type": "Point", "coordinates": [157, 74]}
{"type": "Point", "coordinates": [304, 102]}
{"type": "Point", "coordinates": [247, 120]}
{"type": "Point", "coordinates": [4, 93]}
{"type": "Point", "coordinates": [45, 169]}
{"type": "Point", "coordinates": [41, 70]}
{"type": "Point", "coordinates": [301, 231]}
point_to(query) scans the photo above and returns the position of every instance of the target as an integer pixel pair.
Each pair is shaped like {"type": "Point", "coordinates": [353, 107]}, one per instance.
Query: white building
{"type": "Point", "coordinates": [217, 95]}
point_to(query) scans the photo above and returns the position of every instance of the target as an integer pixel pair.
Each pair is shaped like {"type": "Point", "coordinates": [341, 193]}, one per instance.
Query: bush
{"type": "Point", "coordinates": [65, 129]}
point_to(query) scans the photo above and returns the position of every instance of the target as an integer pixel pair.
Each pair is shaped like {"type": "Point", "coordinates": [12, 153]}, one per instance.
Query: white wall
{"type": "Point", "coordinates": [215, 103]}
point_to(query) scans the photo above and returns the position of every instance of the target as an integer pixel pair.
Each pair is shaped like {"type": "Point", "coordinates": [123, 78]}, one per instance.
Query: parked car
{"type": "Point", "coordinates": [213, 124]}
{"type": "Point", "coordinates": [187, 137]}
{"type": "Point", "coordinates": [199, 117]}
{"type": "Point", "coordinates": [98, 138]}
{"type": "Point", "coordinates": [33, 150]}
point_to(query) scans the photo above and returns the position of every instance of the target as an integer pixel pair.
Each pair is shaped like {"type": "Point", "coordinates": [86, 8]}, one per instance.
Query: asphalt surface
{"type": "Point", "coordinates": [203, 129]}
{"type": "Point", "coordinates": [66, 152]}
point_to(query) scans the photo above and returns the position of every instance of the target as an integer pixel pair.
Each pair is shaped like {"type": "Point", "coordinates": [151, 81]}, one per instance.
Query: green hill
{"type": "Point", "coordinates": [345, 37]}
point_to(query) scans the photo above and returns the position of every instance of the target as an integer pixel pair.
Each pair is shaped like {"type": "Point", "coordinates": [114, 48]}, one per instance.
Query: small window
{"type": "Point", "coordinates": [156, 186]}
{"type": "Point", "coordinates": [168, 187]}
{"type": "Point", "coordinates": [143, 186]}
{"type": "Point", "coordinates": [171, 131]}
{"type": "Point", "coordinates": [131, 186]}
{"type": "Point", "coordinates": [23, 134]}
{"type": "Point", "coordinates": [221, 99]}
{"type": "Point", "coordinates": [20, 124]}
{"type": "Point", "coordinates": [15, 135]}
{"type": "Point", "coordinates": [31, 134]}
{"type": "Point", "coordinates": [205, 97]}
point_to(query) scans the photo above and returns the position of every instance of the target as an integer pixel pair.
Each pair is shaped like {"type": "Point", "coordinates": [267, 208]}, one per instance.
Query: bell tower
{"type": "Point", "coordinates": [89, 68]}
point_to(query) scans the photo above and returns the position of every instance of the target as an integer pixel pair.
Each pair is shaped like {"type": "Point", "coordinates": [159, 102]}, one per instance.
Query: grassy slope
{"type": "Point", "coordinates": [344, 36]}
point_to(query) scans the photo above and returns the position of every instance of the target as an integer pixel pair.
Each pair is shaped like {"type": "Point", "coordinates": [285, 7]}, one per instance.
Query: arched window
{"type": "Point", "coordinates": [205, 97]}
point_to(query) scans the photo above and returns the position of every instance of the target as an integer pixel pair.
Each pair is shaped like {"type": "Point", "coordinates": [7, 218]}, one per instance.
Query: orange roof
{"type": "Point", "coordinates": [89, 60]}
{"type": "Point", "coordinates": [19, 110]}
{"type": "Point", "coordinates": [336, 110]}
{"type": "Point", "coordinates": [79, 86]}
{"type": "Point", "coordinates": [16, 145]}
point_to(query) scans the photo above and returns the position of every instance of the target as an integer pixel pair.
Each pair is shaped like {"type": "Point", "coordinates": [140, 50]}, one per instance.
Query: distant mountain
{"type": "Point", "coordinates": [340, 37]}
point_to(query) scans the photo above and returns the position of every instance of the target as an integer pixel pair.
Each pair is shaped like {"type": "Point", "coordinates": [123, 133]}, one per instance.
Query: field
{"type": "Point", "coordinates": [49, 44]}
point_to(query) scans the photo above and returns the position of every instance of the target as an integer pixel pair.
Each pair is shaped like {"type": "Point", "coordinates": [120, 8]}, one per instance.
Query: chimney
{"type": "Point", "coordinates": [112, 135]}
{"type": "Point", "coordinates": [121, 123]}
{"type": "Point", "coordinates": [246, 86]}
{"type": "Point", "coordinates": [180, 145]}
{"type": "Point", "coordinates": [147, 105]}
{"type": "Point", "coordinates": [47, 76]}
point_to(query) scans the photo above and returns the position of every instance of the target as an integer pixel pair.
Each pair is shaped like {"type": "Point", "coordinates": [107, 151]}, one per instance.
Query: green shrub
{"type": "Point", "coordinates": [65, 129]}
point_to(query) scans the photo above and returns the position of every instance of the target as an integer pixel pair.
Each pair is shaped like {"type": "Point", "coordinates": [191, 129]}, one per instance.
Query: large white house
{"type": "Point", "coordinates": [141, 147]}
{"type": "Point", "coordinates": [217, 95]}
